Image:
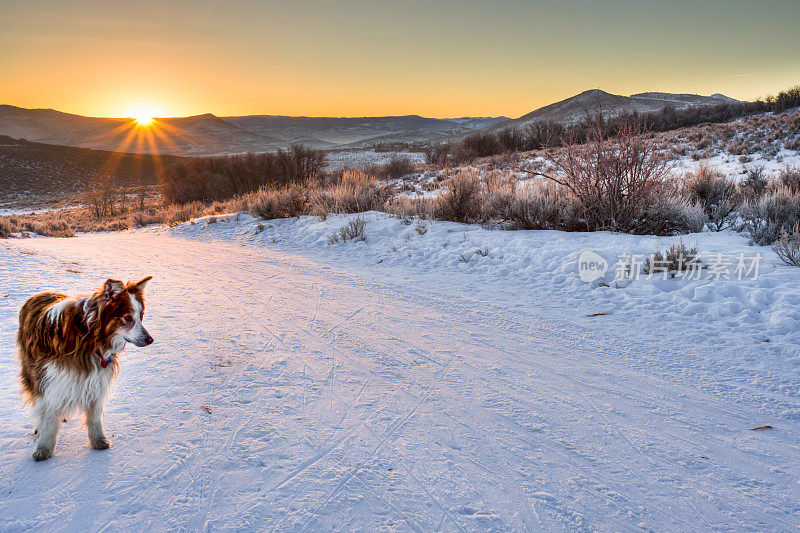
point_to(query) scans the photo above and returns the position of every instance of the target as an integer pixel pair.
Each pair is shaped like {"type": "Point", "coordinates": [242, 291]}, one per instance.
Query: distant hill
{"type": "Point", "coordinates": [196, 135]}
{"type": "Point", "coordinates": [575, 108]}
{"type": "Point", "coordinates": [340, 131]}
{"type": "Point", "coordinates": [44, 171]}
{"type": "Point", "coordinates": [211, 135]}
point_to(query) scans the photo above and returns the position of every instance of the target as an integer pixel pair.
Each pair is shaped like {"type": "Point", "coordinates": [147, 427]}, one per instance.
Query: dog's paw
{"type": "Point", "coordinates": [42, 455]}
{"type": "Point", "coordinates": [100, 444]}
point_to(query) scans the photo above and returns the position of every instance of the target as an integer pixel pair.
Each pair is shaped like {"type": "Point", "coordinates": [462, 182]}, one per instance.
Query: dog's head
{"type": "Point", "coordinates": [121, 316]}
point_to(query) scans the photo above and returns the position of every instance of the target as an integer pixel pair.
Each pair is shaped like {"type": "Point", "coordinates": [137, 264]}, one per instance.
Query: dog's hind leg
{"type": "Point", "coordinates": [49, 424]}
{"type": "Point", "coordinates": [94, 422]}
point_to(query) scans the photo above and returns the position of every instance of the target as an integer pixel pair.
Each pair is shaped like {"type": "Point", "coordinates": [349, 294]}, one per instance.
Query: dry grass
{"type": "Point", "coordinates": [283, 202]}
{"type": "Point", "coordinates": [620, 184]}
{"type": "Point", "coordinates": [462, 200]}
{"type": "Point", "coordinates": [536, 206]}
{"type": "Point", "coordinates": [23, 225]}
{"type": "Point", "coordinates": [354, 230]}
{"type": "Point", "coordinates": [498, 199]}
{"type": "Point", "coordinates": [66, 222]}
{"type": "Point", "coordinates": [353, 192]}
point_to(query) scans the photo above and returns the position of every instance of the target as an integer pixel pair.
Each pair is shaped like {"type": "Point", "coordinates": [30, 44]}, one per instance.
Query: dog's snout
{"type": "Point", "coordinates": [148, 340]}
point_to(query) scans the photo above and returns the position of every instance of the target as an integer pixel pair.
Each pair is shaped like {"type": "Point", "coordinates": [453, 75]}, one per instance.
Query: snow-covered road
{"type": "Point", "coordinates": [367, 397]}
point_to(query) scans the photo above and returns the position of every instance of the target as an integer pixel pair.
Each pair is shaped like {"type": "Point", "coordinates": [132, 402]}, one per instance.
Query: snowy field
{"type": "Point", "coordinates": [355, 159]}
{"type": "Point", "coordinates": [729, 165]}
{"type": "Point", "coordinates": [438, 376]}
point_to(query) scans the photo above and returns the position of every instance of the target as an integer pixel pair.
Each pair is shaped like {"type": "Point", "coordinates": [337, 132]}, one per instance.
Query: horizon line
{"type": "Point", "coordinates": [450, 117]}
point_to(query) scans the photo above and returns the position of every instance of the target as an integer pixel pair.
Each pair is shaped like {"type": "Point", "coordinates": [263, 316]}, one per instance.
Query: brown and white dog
{"type": "Point", "coordinates": [68, 355]}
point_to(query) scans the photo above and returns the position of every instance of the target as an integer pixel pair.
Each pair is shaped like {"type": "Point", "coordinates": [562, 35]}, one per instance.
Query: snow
{"type": "Point", "coordinates": [435, 376]}
{"type": "Point", "coordinates": [729, 165]}
{"type": "Point", "coordinates": [20, 211]}
{"type": "Point", "coordinates": [355, 159]}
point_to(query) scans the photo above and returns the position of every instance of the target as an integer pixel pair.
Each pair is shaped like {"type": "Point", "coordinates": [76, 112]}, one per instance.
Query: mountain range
{"type": "Point", "coordinates": [575, 108]}
{"type": "Point", "coordinates": [208, 134]}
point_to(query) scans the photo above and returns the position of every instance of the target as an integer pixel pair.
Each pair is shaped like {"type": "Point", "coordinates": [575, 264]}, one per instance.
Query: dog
{"type": "Point", "coordinates": [68, 354]}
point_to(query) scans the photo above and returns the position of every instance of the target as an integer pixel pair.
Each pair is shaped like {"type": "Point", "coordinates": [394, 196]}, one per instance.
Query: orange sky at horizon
{"type": "Point", "coordinates": [438, 59]}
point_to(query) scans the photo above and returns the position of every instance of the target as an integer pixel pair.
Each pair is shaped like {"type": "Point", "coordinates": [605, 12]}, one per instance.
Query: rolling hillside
{"type": "Point", "coordinates": [196, 135]}
{"type": "Point", "coordinates": [575, 108]}
{"type": "Point", "coordinates": [327, 132]}
{"type": "Point", "coordinates": [208, 134]}
{"type": "Point", "coordinates": [51, 173]}
{"type": "Point", "coordinates": [211, 135]}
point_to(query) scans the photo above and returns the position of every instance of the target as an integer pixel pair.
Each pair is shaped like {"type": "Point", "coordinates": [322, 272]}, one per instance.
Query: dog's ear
{"type": "Point", "coordinates": [140, 284]}
{"type": "Point", "coordinates": [113, 288]}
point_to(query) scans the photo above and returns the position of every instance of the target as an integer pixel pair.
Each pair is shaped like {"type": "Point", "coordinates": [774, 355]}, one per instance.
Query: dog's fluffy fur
{"type": "Point", "coordinates": [67, 355]}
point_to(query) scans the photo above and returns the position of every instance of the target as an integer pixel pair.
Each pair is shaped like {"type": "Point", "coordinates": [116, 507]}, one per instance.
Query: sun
{"type": "Point", "coordinates": [143, 114]}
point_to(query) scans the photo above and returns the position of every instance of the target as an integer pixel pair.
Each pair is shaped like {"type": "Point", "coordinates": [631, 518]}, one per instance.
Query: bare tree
{"type": "Point", "coordinates": [611, 179]}
{"type": "Point", "coordinates": [100, 195]}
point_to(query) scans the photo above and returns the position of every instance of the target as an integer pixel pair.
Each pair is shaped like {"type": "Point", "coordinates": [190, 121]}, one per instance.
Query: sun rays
{"type": "Point", "coordinates": [144, 115]}
{"type": "Point", "coordinates": [144, 134]}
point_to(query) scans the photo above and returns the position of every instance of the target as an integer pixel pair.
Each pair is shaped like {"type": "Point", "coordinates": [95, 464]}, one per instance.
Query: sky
{"type": "Point", "coordinates": [442, 58]}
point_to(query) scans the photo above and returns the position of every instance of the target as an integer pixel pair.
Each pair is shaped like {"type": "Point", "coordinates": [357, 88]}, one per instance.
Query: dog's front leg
{"type": "Point", "coordinates": [94, 422]}
{"type": "Point", "coordinates": [49, 425]}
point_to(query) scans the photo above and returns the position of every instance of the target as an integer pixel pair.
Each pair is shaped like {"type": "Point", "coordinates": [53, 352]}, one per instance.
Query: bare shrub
{"type": "Point", "coordinates": [438, 154]}
{"type": "Point", "coordinates": [495, 182]}
{"type": "Point", "coordinates": [479, 145]}
{"type": "Point", "coordinates": [175, 214]}
{"type": "Point", "coordinates": [499, 190]}
{"type": "Point", "coordinates": [542, 134]}
{"type": "Point", "coordinates": [354, 192]}
{"type": "Point", "coordinates": [462, 199]}
{"type": "Point", "coordinates": [511, 139]}
{"type": "Point", "coordinates": [790, 177]}
{"type": "Point", "coordinates": [6, 229]}
{"type": "Point", "coordinates": [668, 214]}
{"type": "Point", "coordinates": [396, 168]}
{"type": "Point", "coordinates": [787, 247]}
{"type": "Point", "coordinates": [263, 204]}
{"type": "Point", "coordinates": [283, 202]}
{"type": "Point", "coordinates": [47, 224]}
{"type": "Point", "coordinates": [57, 228]}
{"type": "Point", "coordinates": [612, 180]}
{"type": "Point", "coordinates": [146, 218]}
{"type": "Point", "coordinates": [48, 227]}
{"type": "Point", "coordinates": [723, 215]}
{"type": "Point", "coordinates": [715, 194]}
{"type": "Point", "coordinates": [354, 230]}
{"type": "Point", "coordinates": [411, 207]}
{"type": "Point", "coordinates": [540, 210]}
{"type": "Point", "coordinates": [534, 207]}
{"type": "Point", "coordinates": [218, 178]}
{"type": "Point", "coordinates": [755, 183]}
{"type": "Point", "coordinates": [141, 196]}
{"type": "Point", "coordinates": [678, 258]}
{"type": "Point", "coordinates": [99, 195]}
{"type": "Point", "coordinates": [767, 217]}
